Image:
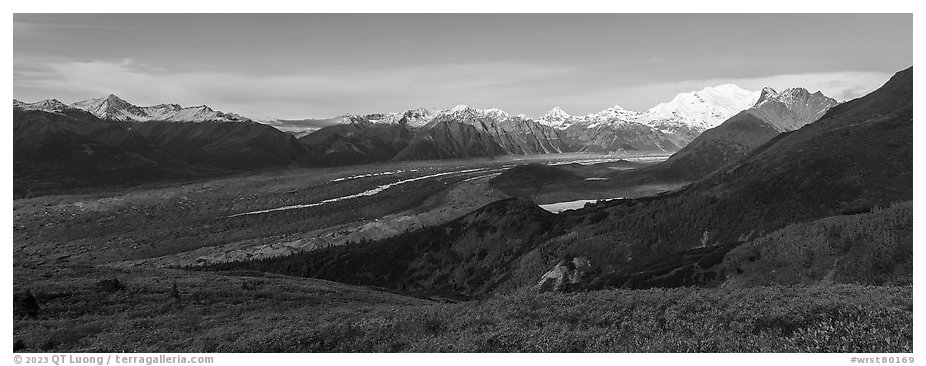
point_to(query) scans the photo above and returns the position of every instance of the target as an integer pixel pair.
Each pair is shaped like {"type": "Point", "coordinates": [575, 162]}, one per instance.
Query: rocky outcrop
{"type": "Point", "coordinates": [564, 274]}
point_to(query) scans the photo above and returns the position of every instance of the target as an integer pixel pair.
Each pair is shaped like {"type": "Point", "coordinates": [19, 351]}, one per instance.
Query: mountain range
{"type": "Point", "coordinates": [464, 131]}
{"type": "Point", "coordinates": [116, 109]}
{"type": "Point", "coordinates": [202, 137]}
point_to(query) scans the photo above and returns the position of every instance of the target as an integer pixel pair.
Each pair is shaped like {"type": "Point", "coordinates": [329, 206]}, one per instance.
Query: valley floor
{"type": "Point", "coordinates": [264, 214]}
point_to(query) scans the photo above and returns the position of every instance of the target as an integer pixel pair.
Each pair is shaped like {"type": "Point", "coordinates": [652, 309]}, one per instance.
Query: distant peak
{"type": "Point", "coordinates": [113, 97]}
{"type": "Point", "coordinates": [44, 105]}
{"type": "Point", "coordinates": [795, 91]}
{"type": "Point", "coordinates": [789, 96]}
{"type": "Point", "coordinates": [460, 108]}
{"type": "Point", "coordinates": [766, 94]}
{"type": "Point", "coordinates": [112, 107]}
{"type": "Point", "coordinates": [705, 108]}
{"type": "Point", "coordinates": [50, 101]}
{"type": "Point", "coordinates": [557, 112]}
{"type": "Point", "coordinates": [111, 100]}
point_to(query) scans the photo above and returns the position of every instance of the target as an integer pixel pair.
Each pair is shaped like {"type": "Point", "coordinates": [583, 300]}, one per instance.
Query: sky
{"type": "Point", "coordinates": [322, 65]}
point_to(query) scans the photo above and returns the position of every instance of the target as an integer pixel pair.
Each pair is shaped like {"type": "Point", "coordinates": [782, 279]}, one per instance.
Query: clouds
{"type": "Point", "coordinates": [529, 88]}
{"type": "Point", "coordinates": [320, 65]}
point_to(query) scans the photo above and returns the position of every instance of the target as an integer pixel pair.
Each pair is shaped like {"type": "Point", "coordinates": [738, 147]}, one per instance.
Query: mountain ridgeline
{"type": "Point", "coordinates": [206, 138]}
{"type": "Point", "coordinates": [170, 141]}
{"type": "Point", "coordinates": [464, 132]}
{"type": "Point", "coordinates": [706, 129]}
{"type": "Point", "coordinates": [110, 142]}
{"type": "Point", "coordinates": [73, 149]}
{"type": "Point", "coordinates": [833, 196]}
{"type": "Point", "coordinates": [461, 132]}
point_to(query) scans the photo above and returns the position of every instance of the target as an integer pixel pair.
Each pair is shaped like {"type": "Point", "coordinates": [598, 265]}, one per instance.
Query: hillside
{"type": "Point", "coordinates": [70, 150]}
{"type": "Point", "coordinates": [448, 139]}
{"type": "Point", "coordinates": [85, 311]}
{"type": "Point", "coordinates": [354, 143]}
{"type": "Point", "coordinates": [467, 257]}
{"type": "Point", "coordinates": [811, 173]}
{"type": "Point", "coordinates": [228, 145]}
{"type": "Point", "coordinates": [714, 148]}
{"type": "Point", "coordinates": [874, 248]}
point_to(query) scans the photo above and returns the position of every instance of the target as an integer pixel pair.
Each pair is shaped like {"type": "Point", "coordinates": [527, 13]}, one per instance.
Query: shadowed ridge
{"type": "Point", "coordinates": [467, 257]}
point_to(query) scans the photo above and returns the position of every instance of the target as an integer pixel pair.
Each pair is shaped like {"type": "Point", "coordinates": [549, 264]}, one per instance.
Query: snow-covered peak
{"type": "Point", "coordinates": [461, 112]}
{"type": "Point", "coordinates": [460, 108]}
{"type": "Point", "coordinates": [766, 93]}
{"type": "Point", "coordinates": [48, 105]}
{"type": "Point", "coordinates": [615, 110]}
{"type": "Point", "coordinates": [703, 109]}
{"type": "Point", "coordinates": [466, 113]}
{"type": "Point", "coordinates": [496, 114]}
{"type": "Point", "coordinates": [556, 118]}
{"type": "Point", "coordinates": [793, 96]}
{"type": "Point", "coordinates": [112, 107]}
{"type": "Point", "coordinates": [419, 117]}
{"type": "Point", "coordinates": [556, 112]}
{"type": "Point", "coordinates": [791, 108]}
{"type": "Point", "coordinates": [559, 119]}
{"type": "Point", "coordinates": [416, 117]}
{"type": "Point", "coordinates": [612, 115]}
